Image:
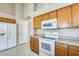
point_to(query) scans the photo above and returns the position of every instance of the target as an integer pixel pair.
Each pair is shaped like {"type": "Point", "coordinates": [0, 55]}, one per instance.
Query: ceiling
{"type": "Point", "coordinates": [8, 8]}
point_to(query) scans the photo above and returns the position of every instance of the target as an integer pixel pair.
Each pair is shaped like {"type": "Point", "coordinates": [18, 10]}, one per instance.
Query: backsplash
{"type": "Point", "coordinates": [69, 32]}
{"type": "Point", "coordinates": [66, 33]}
{"type": "Point", "coordinates": [39, 31]}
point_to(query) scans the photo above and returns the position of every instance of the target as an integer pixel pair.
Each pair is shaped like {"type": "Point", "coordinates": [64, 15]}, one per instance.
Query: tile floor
{"type": "Point", "coordinates": [22, 50]}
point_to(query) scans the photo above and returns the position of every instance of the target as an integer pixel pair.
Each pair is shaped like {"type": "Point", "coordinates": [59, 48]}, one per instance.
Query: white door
{"type": "Point", "coordinates": [3, 36]}
{"type": "Point", "coordinates": [11, 35]}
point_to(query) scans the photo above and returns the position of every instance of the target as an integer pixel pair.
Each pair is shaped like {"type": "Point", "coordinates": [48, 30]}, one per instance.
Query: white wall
{"type": "Point", "coordinates": [70, 32]}
{"type": "Point", "coordinates": [28, 15]}
{"type": "Point", "coordinates": [20, 11]}
{"type": "Point", "coordinates": [6, 15]}
{"type": "Point", "coordinates": [23, 32]}
{"type": "Point", "coordinates": [47, 7]}
{"type": "Point", "coordinates": [28, 9]}
{"type": "Point", "coordinates": [22, 24]}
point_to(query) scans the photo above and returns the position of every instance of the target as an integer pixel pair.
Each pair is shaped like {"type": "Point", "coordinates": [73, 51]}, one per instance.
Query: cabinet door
{"type": "Point", "coordinates": [61, 51]}
{"type": "Point", "coordinates": [46, 16]}
{"type": "Point", "coordinates": [36, 45]}
{"type": "Point", "coordinates": [10, 20]}
{"type": "Point", "coordinates": [31, 43]}
{"type": "Point", "coordinates": [64, 17]}
{"type": "Point", "coordinates": [11, 35]}
{"type": "Point", "coordinates": [2, 19]}
{"type": "Point", "coordinates": [52, 15]}
{"type": "Point", "coordinates": [3, 36]}
{"type": "Point", "coordinates": [37, 22]}
{"type": "Point", "coordinates": [73, 53]}
{"type": "Point", "coordinates": [75, 15]}
{"type": "Point", "coordinates": [73, 50]}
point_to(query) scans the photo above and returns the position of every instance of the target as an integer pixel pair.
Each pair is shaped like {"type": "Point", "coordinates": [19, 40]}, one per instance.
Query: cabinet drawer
{"type": "Point", "coordinates": [75, 48]}
{"type": "Point", "coordinates": [58, 44]}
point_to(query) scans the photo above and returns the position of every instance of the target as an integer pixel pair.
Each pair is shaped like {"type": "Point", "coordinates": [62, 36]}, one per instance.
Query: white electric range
{"type": "Point", "coordinates": [47, 43]}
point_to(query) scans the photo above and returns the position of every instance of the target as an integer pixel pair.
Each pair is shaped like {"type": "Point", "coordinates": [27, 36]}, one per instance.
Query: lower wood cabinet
{"type": "Point", "coordinates": [31, 42]}
{"type": "Point", "coordinates": [73, 53]}
{"type": "Point", "coordinates": [66, 50]}
{"type": "Point", "coordinates": [73, 50]}
{"type": "Point", "coordinates": [34, 44]}
{"type": "Point", "coordinates": [61, 49]}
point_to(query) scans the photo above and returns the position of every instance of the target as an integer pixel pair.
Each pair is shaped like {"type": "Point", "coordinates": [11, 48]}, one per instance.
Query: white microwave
{"type": "Point", "coordinates": [49, 24]}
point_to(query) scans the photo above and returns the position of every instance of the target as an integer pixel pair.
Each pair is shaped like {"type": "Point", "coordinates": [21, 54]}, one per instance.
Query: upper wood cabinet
{"type": "Point", "coordinates": [64, 17]}
{"type": "Point", "coordinates": [75, 15]}
{"type": "Point", "coordinates": [7, 20]}
{"type": "Point", "coordinates": [37, 22]}
{"type": "Point", "coordinates": [10, 20]}
{"type": "Point", "coordinates": [2, 19]}
{"type": "Point", "coordinates": [52, 15]}
{"type": "Point", "coordinates": [45, 16]}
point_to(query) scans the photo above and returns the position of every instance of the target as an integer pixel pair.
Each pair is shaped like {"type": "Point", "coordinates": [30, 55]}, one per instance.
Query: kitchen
{"type": "Point", "coordinates": [39, 29]}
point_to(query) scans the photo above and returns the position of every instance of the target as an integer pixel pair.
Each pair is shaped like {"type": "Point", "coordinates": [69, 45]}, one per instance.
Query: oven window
{"type": "Point", "coordinates": [45, 46]}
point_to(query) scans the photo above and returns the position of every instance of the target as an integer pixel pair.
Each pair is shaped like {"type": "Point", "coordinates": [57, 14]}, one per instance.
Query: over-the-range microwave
{"type": "Point", "coordinates": [49, 24]}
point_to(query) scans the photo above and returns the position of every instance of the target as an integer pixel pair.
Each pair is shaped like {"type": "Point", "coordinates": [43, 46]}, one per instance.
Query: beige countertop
{"type": "Point", "coordinates": [35, 36]}
{"type": "Point", "coordinates": [70, 42]}
{"type": "Point", "coordinates": [65, 40]}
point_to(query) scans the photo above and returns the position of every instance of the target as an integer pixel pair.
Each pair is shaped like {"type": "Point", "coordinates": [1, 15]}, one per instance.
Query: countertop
{"type": "Point", "coordinates": [66, 40]}
{"type": "Point", "coordinates": [36, 36]}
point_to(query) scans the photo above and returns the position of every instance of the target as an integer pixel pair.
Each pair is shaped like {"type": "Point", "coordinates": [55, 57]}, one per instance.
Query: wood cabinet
{"type": "Point", "coordinates": [61, 49]}
{"type": "Point", "coordinates": [45, 16]}
{"type": "Point", "coordinates": [64, 17]}
{"type": "Point", "coordinates": [66, 50]}
{"type": "Point", "coordinates": [73, 50]}
{"type": "Point", "coordinates": [37, 22]}
{"type": "Point", "coordinates": [7, 20]}
{"type": "Point", "coordinates": [52, 15]}
{"type": "Point", "coordinates": [31, 42]}
{"type": "Point", "coordinates": [73, 53]}
{"type": "Point", "coordinates": [34, 44]}
{"type": "Point", "coordinates": [2, 19]}
{"type": "Point", "coordinates": [75, 15]}
{"type": "Point", "coordinates": [10, 20]}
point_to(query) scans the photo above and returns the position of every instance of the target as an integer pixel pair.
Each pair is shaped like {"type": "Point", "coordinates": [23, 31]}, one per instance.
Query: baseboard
{"type": "Point", "coordinates": [7, 49]}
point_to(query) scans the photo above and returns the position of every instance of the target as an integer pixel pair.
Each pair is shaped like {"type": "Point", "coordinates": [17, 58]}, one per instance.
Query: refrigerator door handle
{"type": "Point", "coordinates": [2, 34]}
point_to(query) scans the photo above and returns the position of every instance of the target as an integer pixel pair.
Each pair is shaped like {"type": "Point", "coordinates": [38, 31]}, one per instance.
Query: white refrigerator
{"type": "Point", "coordinates": [3, 36]}
{"type": "Point", "coordinates": [11, 35]}
{"type": "Point", "coordinates": [7, 35]}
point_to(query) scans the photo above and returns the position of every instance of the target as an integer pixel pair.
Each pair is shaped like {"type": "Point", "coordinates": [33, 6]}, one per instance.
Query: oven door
{"type": "Point", "coordinates": [47, 46]}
